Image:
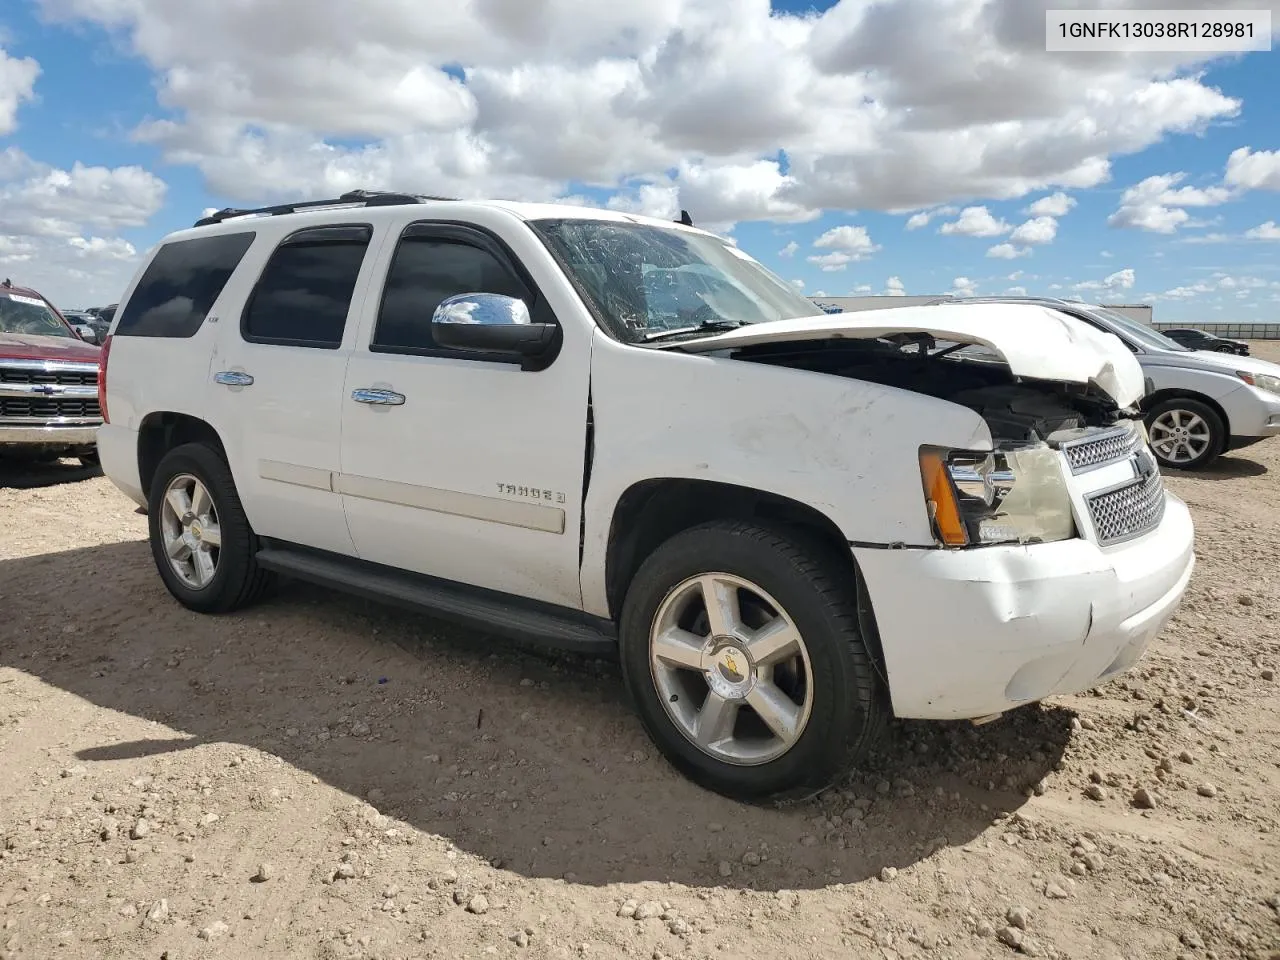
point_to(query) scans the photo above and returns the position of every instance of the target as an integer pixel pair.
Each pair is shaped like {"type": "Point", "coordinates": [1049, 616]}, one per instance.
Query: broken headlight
{"type": "Point", "coordinates": [1014, 495]}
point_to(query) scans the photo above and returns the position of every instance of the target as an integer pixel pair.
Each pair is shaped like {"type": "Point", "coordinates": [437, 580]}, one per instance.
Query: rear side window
{"type": "Point", "coordinates": [180, 285]}
{"type": "Point", "coordinates": [305, 291]}
{"type": "Point", "coordinates": [423, 273]}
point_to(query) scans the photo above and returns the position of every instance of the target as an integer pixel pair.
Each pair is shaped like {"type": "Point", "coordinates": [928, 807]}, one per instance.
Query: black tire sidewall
{"type": "Point", "coordinates": [840, 668]}
{"type": "Point", "coordinates": [234, 556]}
{"type": "Point", "coordinates": [1217, 430]}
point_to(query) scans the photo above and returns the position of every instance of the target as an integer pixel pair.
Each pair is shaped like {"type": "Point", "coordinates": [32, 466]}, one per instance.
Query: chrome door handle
{"type": "Point", "coordinates": [233, 378]}
{"type": "Point", "coordinates": [386, 398]}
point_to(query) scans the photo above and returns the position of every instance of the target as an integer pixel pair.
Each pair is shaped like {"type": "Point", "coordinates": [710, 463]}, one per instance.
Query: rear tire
{"type": "Point", "coordinates": [228, 577]}
{"type": "Point", "coordinates": [674, 667]}
{"type": "Point", "coordinates": [1185, 434]}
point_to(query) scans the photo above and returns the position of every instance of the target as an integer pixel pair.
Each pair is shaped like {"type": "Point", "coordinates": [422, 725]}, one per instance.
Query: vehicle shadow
{"type": "Point", "coordinates": [28, 475]}
{"type": "Point", "coordinates": [533, 763]}
{"type": "Point", "coordinates": [1226, 467]}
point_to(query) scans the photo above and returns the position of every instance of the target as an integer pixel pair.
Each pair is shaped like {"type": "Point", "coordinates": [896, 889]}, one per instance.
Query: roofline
{"type": "Point", "coordinates": [363, 199]}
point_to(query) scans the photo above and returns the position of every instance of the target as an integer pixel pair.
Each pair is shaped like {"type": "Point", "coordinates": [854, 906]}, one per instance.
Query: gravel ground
{"type": "Point", "coordinates": [320, 777]}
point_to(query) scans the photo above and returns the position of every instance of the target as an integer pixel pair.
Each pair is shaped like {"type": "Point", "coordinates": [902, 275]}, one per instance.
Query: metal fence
{"type": "Point", "coordinates": [1236, 331]}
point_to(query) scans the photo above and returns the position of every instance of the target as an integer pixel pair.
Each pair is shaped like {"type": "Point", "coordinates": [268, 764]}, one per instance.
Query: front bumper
{"type": "Point", "coordinates": [51, 434]}
{"type": "Point", "coordinates": [971, 633]}
{"type": "Point", "coordinates": [1252, 412]}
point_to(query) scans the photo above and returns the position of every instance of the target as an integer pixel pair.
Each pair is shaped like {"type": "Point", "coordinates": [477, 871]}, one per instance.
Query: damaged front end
{"type": "Point", "coordinates": [1030, 486]}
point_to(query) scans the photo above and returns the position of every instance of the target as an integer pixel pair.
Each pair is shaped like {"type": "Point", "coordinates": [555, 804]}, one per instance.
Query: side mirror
{"type": "Point", "coordinates": [87, 333]}
{"type": "Point", "coordinates": [489, 323]}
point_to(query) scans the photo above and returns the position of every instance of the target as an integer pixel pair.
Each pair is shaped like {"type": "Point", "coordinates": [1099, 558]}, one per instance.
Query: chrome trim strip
{"type": "Point", "coordinates": [70, 434]}
{"type": "Point", "coordinates": [49, 391]}
{"type": "Point", "coordinates": [530, 516]}
{"type": "Point", "coordinates": [49, 366]}
{"type": "Point", "coordinates": [298, 476]}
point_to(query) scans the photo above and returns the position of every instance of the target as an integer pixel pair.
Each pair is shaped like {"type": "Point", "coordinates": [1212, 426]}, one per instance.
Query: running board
{"type": "Point", "coordinates": [516, 618]}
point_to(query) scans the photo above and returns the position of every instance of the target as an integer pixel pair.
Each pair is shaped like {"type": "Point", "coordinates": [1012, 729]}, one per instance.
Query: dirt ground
{"type": "Point", "coordinates": [320, 777]}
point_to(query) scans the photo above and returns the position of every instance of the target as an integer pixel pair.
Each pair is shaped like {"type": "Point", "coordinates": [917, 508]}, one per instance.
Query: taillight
{"type": "Point", "coordinates": [102, 377]}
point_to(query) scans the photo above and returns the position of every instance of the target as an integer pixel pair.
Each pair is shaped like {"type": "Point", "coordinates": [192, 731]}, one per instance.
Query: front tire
{"type": "Point", "coordinates": [1185, 434]}
{"type": "Point", "coordinates": [741, 651]}
{"type": "Point", "coordinates": [201, 540]}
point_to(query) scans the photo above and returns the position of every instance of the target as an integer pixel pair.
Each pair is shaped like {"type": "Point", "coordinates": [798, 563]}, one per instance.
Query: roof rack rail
{"type": "Point", "coordinates": [363, 198]}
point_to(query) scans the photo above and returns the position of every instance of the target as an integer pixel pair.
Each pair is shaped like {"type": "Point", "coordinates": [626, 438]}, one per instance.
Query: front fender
{"type": "Point", "coordinates": [848, 448]}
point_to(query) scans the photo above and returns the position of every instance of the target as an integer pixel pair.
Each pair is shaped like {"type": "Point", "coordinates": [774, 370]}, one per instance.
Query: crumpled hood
{"type": "Point", "coordinates": [1035, 341]}
{"type": "Point", "coordinates": [26, 346]}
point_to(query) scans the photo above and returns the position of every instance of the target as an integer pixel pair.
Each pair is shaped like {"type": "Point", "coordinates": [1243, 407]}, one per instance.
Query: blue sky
{"type": "Point", "coordinates": [133, 125]}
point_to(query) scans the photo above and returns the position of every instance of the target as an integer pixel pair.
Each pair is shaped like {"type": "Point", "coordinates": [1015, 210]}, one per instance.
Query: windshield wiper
{"type": "Point", "coordinates": [707, 326]}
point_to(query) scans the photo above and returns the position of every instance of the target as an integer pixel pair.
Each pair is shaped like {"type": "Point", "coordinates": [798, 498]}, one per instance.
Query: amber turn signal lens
{"type": "Point", "coordinates": [942, 499]}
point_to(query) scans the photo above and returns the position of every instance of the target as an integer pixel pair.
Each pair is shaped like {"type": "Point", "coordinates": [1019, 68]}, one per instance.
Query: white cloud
{"type": "Point", "coordinates": [59, 226]}
{"type": "Point", "coordinates": [1016, 292]}
{"type": "Point", "coordinates": [963, 287]}
{"type": "Point", "coordinates": [1055, 205]}
{"type": "Point", "coordinates": [861, 290]}
{"type": "Point", "coordinates": [869, 102]}
{"type": "Point", "coordinates": [1112, 284]}
{"type": "Point", "coordinates": [1007, 251]}
{"type": "Point", "coordinates": [921, 219]}
{"type": "Point", "coordinates": [893, 287]}
{"type": "Point", "coordinates": [1264, 231]}
{"type": "Point", "coordinates": [17, 85]}
{"type": "Point", "coordinates": [789, 250]}
{"type": "Point", "coordinates": [1157, 204]}
{"type": "Point", "coordinates": [1247, 170]}
{"type": "Point", "coordinates": [1106, 254]}
{"type": "Point", "coordinates": [848, 244]}
{"type": "Point", "coordinates": [975, 222]}
{"type": "Point", "coordinates": [1037, 231]}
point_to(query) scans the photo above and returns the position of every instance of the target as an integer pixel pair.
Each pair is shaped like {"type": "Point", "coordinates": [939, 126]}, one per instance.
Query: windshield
{"type": "Point", "coordinates": [19, 314]}
{"type": "Point", "coordinates": [1147, 336]}
{"type": "Point", "coordinates": [645, 280]}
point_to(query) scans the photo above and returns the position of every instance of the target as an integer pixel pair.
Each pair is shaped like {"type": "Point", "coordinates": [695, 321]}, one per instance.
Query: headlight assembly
{"type": "Point", "coordinates": [1015, 495]}
{"type": "Point", "coordinates": [1260, 381]}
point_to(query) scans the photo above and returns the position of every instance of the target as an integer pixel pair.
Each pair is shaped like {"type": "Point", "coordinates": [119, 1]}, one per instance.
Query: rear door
{"type": "Point", "coordinates": [474, 473]}
{"type": "Point", "coordinates": [276, 381]}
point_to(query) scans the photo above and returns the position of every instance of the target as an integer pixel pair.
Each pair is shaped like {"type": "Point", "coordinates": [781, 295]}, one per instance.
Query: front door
{"type": "Point", "coordinates": [457, 465]}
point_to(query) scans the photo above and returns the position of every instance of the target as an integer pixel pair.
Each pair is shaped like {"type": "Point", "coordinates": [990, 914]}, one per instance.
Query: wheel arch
{"type": "Point", "coordinates": [650, 512]}
{"type": "Point", "coordinates": [161, 431]}
{"type": "Point", "coordinates": [1151, 401]}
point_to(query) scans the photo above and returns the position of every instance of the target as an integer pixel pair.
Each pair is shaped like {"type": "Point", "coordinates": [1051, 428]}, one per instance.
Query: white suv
{"type": "Point", "coordinates": [598, 431]}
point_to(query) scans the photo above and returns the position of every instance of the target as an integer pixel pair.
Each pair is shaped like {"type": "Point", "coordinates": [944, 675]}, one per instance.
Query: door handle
{"type": "Point", "coordinates": [386, 398]}
{"type": "Point", "coordinates": [233, 378]}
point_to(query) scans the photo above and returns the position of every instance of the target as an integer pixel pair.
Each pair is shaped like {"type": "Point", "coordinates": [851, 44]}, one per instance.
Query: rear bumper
{"type": "Point", "coordinates": [118, 453]}
{"type": "Point", "coordinates": [972, 633]}
{"type": "Point", "coordinates": [49, 434]}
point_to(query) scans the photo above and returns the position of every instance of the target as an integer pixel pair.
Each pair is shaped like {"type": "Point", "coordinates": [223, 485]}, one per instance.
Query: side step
{"type": "Point", "coordinates": [519, 619]}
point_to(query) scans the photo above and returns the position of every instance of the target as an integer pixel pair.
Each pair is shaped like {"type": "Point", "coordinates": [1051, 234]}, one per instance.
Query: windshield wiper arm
{"type": "Point", "coordinates": [707, 326]}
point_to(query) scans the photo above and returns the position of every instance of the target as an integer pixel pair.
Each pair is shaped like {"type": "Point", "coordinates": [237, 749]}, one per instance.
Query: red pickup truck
{"type": "Point", "coordinates": [48, 382]}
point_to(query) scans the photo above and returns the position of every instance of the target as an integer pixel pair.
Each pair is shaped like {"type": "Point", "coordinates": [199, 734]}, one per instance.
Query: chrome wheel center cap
{"type": "Point", "coordinates": [729, 670]}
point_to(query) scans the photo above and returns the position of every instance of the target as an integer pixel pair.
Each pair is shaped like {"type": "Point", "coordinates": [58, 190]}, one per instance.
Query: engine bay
{"type": "Point", "coordinates": [1016, 410]}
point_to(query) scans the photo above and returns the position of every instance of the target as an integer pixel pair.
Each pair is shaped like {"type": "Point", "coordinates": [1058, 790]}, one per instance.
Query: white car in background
{"type": "Point", "coordinates": [1198, 404]}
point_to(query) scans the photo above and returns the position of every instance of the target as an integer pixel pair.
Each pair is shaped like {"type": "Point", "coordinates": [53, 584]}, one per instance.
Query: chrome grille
{"type": "Point", "coordinates": [64, 377]}
{"type": "Point", "coordinates": [1090, 453]}
{"type": "Point", "coordinates": [1132, 509]}
{"type": "Point", "coordinates": [49, 407]}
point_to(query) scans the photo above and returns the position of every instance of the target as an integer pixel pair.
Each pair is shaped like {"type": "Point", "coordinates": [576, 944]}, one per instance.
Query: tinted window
{"type": "Point", "coordinates": [180, 285]}
{"type": "Point", "coordinates": [423, 273]}
{"type": "Point", "coordinates": [305, 289]}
